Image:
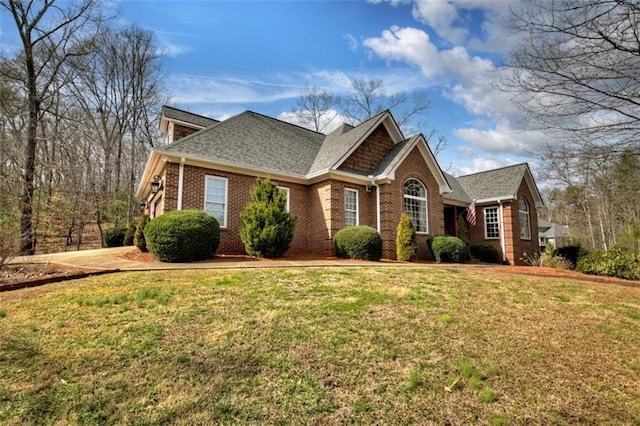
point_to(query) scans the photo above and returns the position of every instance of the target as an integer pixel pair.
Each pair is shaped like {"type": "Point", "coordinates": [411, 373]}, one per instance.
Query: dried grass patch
{"type": "Point", "coordinates": [321, 346]}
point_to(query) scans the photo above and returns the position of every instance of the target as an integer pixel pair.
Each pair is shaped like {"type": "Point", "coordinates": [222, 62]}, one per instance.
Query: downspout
{"type": "Point", "coordinates": [180, 182]}
{"type": "Point", "coordinates": [503, 242]}
{"type": "Point", "coordinates": [377, 187]}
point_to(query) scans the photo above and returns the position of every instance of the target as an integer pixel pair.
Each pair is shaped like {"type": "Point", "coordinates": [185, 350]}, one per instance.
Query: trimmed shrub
{"type": "Point", "coordinates": [138, 239]}
{"type": "Point", "coordinates": [114, 237]}
{"type": "Point", "coordinates": [616, 262]}
{"type": "Point", "coordinates": [485, 252]}
{"type": "Point", "coordinates": [571, 254]}
{"type": "Point", "coordinates": [129, 236]}
{"type": "Point", "coordinates": [267, 228]}
{"type": "Point", "coordinates": [183, 236]}
{"type": "Point", "coordinates": [358, 242]}
{"type": "Point", "coordinates": [406, 240]}
{"type": "Point", "coordinates": [449, 249]}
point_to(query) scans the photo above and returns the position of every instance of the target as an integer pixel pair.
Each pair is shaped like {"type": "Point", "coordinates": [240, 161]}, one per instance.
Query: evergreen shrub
{"type": "Point", "coordinates": [358, 242]}
{"type": "Point", "coordinates": [449, 249]}
{"type": "Point", "coordinates": [129, 236]}
{"type": "Point", "coordinates": [138, 239]}
{"type": "Point", "coordinates": [183, 236]}
{"type": "Point", "coordinates": [406, 240]}
{"type": "Point", "coordinates": [485, 252]}
{"type": "Point", "coordinates": [267, 229]}
{"type": "Point", "coordinates": [114, 237]}
{"type": "Point", "coordinates": [616, 262]}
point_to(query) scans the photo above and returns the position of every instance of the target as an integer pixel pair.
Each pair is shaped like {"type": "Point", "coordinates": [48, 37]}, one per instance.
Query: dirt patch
{"type": "Point", "coordinates": [17, 273]}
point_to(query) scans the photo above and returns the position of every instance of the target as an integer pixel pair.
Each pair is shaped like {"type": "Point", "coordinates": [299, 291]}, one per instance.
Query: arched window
{"type": "Point", "coordinates": [525, 223]}
{"type": "Point", "coordinates": [415, 204]}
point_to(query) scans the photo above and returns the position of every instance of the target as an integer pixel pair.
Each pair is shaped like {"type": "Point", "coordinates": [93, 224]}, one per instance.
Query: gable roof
{"type": "Point", "coordinates": [502, 183]}
{"type": "Point", "coordinates": [256, 141]}
{"type": "Point", "coordinates": [186, 117]}
{"type": "Point", "coordinates": [339, 143]}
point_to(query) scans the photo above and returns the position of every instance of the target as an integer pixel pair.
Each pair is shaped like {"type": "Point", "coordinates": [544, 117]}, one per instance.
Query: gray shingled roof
{"type": "Point", "coordinates": [187, 117]}
{"type": "Point", "coordinates": [397, 152]}
{"type": "Point", "coordinates": [498, 183]}
{"type": "Point", "coordinates": [458, 192]}
{"type": "Point", "coordinates": [255, 140]}
{"type": "Point", "coordinates": [339, 142]}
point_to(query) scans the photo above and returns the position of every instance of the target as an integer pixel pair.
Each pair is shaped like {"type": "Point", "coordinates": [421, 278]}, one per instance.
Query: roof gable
{"type": "Point", "coordinates": [183, 117]}
{"type": "Point", "coordinates": [497, 184]}
{"type": "Point", "coordinates": [344, 141]}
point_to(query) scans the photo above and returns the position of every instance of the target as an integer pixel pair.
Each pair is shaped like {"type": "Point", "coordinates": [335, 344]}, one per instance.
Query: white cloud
{"type": "Point", "coordinates": [352, 42]}
{"type": "Point", "coordinates": [482, 164]}
{"type": "Point", "coordinates": [504, 139]}
{"type": "Point", "coordinates": [442, 16]}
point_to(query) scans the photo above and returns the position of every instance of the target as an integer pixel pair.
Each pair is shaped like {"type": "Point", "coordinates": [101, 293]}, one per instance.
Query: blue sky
{"type": "Point", "coordinates": [223, 57]}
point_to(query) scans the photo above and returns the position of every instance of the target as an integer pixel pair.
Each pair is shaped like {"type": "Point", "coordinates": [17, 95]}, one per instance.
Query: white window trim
{"type": "Point", "coordinates": [226, 196]}
{"type": "Point", "coordinates": [486, 237]}
{"type": "Point", "coordinates": [528, 213]}
{"type": "Point", "coordinates": [286, 190]}
{"type": "Point", "coordinates": [357, 211]}
{"type": "Point", "coordinates": [426, 204]}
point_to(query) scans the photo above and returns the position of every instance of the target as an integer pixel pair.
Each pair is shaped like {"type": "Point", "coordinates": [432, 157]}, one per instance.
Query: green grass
{"type": "Point", "coordinates": [321, 346]}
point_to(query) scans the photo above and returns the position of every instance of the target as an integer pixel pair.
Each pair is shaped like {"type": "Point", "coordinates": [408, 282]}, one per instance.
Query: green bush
{"type": "Point", "coordinates": [358, 242]}
{"type": "Point", "coordinates": [406, 240]}
{"type": "Point", "coordinates": [485, 252]}
{"type": "Point", "coordinates": [114, 237]}
{"type": "Point", "coordinates": [616, 262]}
{"type": "Point", "coordinates": [138, 239]}
{"type": "Point", "coordinates": [129, 236]}
{"type": "Point", "coordinates": [267, 228]}
{"type": "Point", "coordinates": [183, 236]}
{"type": "Point", "coordinates": [449, 249]}
{"type": "Point", "coordinates": [571, 254]}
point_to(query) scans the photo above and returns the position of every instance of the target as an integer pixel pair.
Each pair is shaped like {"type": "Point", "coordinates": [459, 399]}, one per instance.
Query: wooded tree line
{"type": "Point", "coordinates": [78, 104]}
{"type": "Point", "coordinates": [577, 76]}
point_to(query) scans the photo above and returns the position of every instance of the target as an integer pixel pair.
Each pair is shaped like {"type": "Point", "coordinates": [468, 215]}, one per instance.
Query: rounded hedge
{"type": "Point", "coordinates": [616, 262]}
{"type": "Point", "coordinates": [485, 252]}
{"type": "Point", "coordinates": [358, 242]}
{"type": "Point", "coordinates": [183, 236]}
{"type": "Point", "coordinates": [449, 249]}
{"type": "Point", "coordinates": [114, 237]}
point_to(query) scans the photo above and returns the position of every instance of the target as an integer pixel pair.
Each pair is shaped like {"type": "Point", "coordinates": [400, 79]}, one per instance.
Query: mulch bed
{"type": "Point", "coordinates": [23, 275]}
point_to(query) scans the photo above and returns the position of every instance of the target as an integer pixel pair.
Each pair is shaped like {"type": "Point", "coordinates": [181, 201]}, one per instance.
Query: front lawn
{"type": "Point", "coordinates": [322, 346]}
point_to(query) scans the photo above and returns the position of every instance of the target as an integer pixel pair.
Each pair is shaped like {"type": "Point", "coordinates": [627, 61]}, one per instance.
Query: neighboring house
{"type": "Point", "coordinates": [552, 233]}
{"type": "Point", "coordinates": [363, 175]}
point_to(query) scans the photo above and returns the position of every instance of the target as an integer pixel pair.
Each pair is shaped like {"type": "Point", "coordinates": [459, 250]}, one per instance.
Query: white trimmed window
{"type": "Point", "coordinates": [287, 192]}
{"type": "Point", "coordinates": [491, 223]}
{"type": "Point", "coordinates": [351, 207]}
{"type": "Point", "coordinates": [525, 223]}
{"type": "Point", "coordinates": [415, 204]}
{"type": "Point", "coordinates": [215, 198]}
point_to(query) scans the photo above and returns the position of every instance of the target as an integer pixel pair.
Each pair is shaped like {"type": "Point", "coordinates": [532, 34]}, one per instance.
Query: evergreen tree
{"type": "Point", "coordinates": [406, 240]}
{"type": "Point", "coordinates": [267, 228]}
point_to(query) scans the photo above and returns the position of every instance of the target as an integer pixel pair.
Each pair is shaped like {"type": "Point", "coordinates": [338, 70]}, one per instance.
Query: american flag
{"type": "Point", "coordinates": [471, 213]}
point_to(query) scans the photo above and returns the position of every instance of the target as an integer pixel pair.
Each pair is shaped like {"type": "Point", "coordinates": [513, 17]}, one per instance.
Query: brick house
{"type": "Point", "coordinates": [363, 175]}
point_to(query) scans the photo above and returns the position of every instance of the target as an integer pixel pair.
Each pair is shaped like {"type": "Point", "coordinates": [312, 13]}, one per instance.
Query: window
{"type": "Point", "coordinates": [525, 223]}
{"type": "Point", "coordinates": [287, 192]}
{"type": "Point", "coordinates": [415, 204]}
{"type": "Point", "coordinates": [350, 207]}
{"type": "Point", "coordinates": [215, 198]}
{"type": "Point", "coordinates": [491, 223]}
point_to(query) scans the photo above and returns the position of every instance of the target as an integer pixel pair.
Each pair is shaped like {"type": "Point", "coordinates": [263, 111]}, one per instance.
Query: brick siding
{"type": "Point", "coordinates": [370, 152]}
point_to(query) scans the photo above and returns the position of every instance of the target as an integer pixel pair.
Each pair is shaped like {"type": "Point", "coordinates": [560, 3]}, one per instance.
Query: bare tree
{"type": "Point", "coordinates": [578, 71]}
{"type": "Point", "coordinates": [49, 33]}
{"type": "Point", "coordinates": [315, 108]}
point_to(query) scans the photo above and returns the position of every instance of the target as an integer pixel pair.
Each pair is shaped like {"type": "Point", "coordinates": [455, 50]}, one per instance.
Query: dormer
{"type": "Point", "coordinates": [175, 123]}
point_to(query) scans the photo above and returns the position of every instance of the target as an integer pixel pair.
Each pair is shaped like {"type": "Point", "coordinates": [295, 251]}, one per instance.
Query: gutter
{"type": "Point", "coordinates": [180, 182]}
{"type": "Point", "coordinates": [377, 187]}
{"type": "Point", "coordinates": [503, 243]}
